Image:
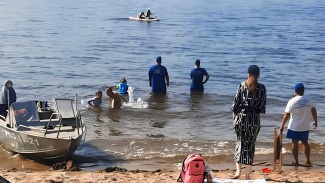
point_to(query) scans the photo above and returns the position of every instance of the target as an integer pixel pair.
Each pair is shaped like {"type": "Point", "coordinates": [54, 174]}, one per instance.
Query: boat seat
{"type": "Point", "coordinates": [69, 121]}
{"type": "Point", "coordinates": [40, 123]}
{"type": "Point", "coordinates": [24, 128]}
{"type": "Point", "coordinates": [65, 108]}
{"type": "Point", "coordinates": [45, 114]}
{"type": "Point", "coordinates": [41, 131]}
{"type": "Point", "coordinates": [62, 129]}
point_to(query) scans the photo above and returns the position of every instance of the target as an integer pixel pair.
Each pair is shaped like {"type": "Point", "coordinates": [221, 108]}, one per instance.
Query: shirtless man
{"type": "Point", "coordinates": [114, 98]}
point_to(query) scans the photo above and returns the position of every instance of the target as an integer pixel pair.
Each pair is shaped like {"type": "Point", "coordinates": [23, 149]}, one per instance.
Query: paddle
{"type": "Point", "coordinates": [277, 152]}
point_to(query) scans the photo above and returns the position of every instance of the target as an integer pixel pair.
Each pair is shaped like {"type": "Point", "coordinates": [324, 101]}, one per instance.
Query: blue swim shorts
{"type": "Point", "coordinates": [298, 135]}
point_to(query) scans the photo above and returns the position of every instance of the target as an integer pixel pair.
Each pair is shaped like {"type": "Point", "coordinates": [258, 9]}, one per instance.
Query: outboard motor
{"type": "Point", "coordinates": [4, 93]}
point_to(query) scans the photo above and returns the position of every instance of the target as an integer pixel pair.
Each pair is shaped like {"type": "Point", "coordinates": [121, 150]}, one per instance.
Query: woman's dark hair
{"type": "Point", "coordinates": [252, 83]}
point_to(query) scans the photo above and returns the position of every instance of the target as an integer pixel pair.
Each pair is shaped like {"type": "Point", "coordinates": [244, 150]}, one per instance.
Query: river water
{"type": "Point", "coordinates": [62, 48]}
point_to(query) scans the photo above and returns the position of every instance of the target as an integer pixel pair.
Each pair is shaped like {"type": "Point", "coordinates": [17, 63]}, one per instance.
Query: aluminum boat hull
{"type": "Point", "coordinates": [38, 147]}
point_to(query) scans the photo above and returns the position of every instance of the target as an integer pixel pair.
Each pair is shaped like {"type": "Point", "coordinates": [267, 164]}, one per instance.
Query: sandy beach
{"type": "Point", "coordinates": [115, 174]}
{"type": "Point", "coordinates": [314, 175]}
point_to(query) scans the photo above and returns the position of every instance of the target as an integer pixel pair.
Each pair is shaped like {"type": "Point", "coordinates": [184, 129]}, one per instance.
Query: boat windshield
{"type": "Point", "coordinates": [25, 111]}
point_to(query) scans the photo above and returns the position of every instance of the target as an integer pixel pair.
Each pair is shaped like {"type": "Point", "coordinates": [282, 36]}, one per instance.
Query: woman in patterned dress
{"type": "Point", "coordinates": [249, 102]}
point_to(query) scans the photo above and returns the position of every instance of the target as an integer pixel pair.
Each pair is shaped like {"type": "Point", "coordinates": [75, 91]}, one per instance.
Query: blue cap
{"type": "Point", "coordinates": [158, 58]}
{"type": "Point", "coordinates": [299, 86]}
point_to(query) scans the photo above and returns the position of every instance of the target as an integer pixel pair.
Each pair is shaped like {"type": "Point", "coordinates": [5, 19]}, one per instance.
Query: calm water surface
{"type": "Point", "coordinates": [62, 48]}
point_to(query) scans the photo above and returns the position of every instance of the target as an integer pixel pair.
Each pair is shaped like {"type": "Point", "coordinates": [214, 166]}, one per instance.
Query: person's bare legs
{"type": "Point", "coordinates": [294, 149]}
{"type": "Point", "coordinates": [238, 171]}
{"type": "Point", "coordinates": [307, 151]}
{"type": "Point", "coordinates": [248, 172]}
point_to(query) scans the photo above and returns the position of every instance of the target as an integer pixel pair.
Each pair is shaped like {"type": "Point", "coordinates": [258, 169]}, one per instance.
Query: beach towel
{"type": "Point", "coordinates": [220, 180]}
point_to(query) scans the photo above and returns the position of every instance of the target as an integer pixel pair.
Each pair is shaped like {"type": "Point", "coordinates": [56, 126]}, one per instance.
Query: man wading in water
{"type": "Point", "coordinates": [114, 98]}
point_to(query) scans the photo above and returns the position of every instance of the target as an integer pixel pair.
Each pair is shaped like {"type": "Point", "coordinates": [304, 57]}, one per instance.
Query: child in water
{"type": "Point", "coordinates": [122, 87]}
{"type": "Point", "coordinates": [96, 101]}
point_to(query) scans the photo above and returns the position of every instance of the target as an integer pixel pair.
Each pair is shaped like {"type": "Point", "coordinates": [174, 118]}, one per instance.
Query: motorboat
{"type": "Point", "coordinates": [38, 133]}
{"type": "Point", "coordinates": [39, 130]}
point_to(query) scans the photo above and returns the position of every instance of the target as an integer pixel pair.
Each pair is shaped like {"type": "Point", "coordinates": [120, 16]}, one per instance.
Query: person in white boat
{"type": "Point", "coordinates": [122, 87]}
{"type": "Point", "coordinates": [141, 15]}
{"type": "Point", "coordinates": [114, 98]}
{"type": "Point", "coordinates": [148, 13]}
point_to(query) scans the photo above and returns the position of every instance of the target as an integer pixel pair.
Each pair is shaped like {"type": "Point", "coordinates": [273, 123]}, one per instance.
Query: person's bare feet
{"type": "Point", "coordinates": [209, 178]}
{"type": "Point", "coordinates": [236, 176]}
{"type": "Point", "coordinates": [307, 162]}
{"type": "Point", "coordinates": [238, 171]}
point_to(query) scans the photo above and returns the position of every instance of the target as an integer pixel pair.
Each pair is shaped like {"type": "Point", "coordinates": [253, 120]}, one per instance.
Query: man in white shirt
{"type": "Point", "coordinates": [301, 111]}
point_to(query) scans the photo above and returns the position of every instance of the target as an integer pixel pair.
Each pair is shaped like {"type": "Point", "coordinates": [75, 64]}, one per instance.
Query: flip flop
{"type": "Point", "coordinates": [294, 164]}
{"type": "Point", "coordinates": [308, 163]}
{"type": "Point", "coordinates": [236, 177]}
{"type": "Point", "coordinates": [291, 164]}
{"type": "Point", "coordinates": [266, 170]}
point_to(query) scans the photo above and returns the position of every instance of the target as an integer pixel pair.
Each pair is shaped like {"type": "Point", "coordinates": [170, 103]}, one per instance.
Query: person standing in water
{"type": "Point", "coordinates": [197, 75]}
{"type": "Point", "coordinates": [249, 102]}
{"type": "Point", "coordinates": [114, 98]}
{"type": "Point", "coordinates": [302, 111]}
{"type": "Point", "coordinates": [158, 77]}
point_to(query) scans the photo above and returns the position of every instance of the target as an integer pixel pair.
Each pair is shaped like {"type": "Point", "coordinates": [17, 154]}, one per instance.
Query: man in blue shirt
{"type": "Point", "coordinates": [158, 77]}
{"type": "Point", "coordinates": [197, 75]}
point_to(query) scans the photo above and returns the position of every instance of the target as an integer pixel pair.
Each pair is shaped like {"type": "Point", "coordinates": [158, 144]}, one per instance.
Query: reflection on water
{"type": "Point", "coordinates": [195, 100]}
{"type": "Point", "coordinates": [158, 100]}
{"type": "Point", "coordinates": [114, 114]}
{"type": "Point", "coordinates": [98, 112]}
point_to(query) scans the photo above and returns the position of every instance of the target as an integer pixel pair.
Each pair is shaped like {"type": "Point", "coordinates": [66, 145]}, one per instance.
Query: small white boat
{"type": "Point", "coordinates": [131, 104]}
{"type": "Point", "coordinates": [136, 105]}
{"type": "Point", "coordinates": [144, 19]}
